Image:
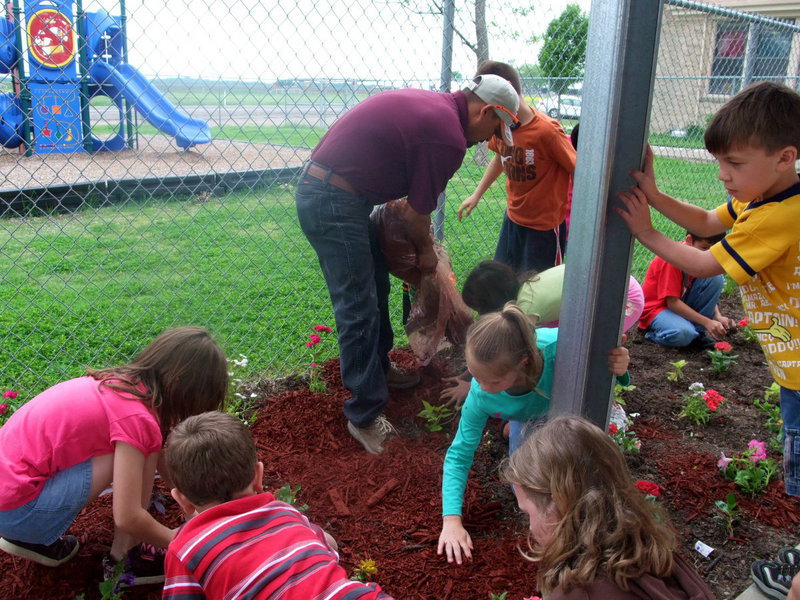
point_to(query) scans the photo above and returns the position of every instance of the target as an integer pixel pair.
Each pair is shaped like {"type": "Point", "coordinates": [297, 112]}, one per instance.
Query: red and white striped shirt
{"type": "Point", "coordinates": [261, 549]}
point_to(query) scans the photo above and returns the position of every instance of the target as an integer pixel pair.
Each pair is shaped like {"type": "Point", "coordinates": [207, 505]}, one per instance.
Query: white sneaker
{"type": "Point", "coordinates": [372, 437]}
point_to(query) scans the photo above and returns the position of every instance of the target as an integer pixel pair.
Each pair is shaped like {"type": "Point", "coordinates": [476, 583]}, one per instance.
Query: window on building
{"type": "Point", "coordinates": [735, 65]}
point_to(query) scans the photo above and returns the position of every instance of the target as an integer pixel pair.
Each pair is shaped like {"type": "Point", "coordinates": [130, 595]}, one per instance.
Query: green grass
{"type": "Point", "coordinates": [665, 139]}
{"type": "Point", "coordinates": [95, 287]}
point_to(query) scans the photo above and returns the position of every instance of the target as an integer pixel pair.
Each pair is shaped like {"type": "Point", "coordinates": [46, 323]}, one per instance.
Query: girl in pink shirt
{"type": "Point", "coordinates": [61, 449]}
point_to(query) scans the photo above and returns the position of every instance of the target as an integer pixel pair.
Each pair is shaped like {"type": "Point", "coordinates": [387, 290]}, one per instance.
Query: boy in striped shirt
{"type": "Point", "coordinates": [239, 540]}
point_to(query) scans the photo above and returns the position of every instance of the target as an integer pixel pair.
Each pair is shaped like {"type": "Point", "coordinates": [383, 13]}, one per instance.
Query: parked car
{"type": "Point", "coordinates": [566, 107]}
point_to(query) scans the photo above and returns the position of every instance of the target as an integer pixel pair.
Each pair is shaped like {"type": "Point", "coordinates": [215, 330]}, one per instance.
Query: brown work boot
{"type": "Point", "coordinates": [372, 437]}
{"type": "Point", "coordinates": [398, 378]}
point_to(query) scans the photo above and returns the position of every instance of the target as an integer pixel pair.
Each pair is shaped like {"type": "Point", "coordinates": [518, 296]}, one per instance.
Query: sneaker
{"type": "Point", "coordinates": [51, 555]}
{"type": "Point", "coordinates": [789, 556]}
{"type": "Point", "coordinates": [400, 379]}
{"type": "Point", "coordinates": [372, 437]}
{"type": "Point", "coordinates": [142, 565]}
{"type": "Point", "coordinates": [772, 578]}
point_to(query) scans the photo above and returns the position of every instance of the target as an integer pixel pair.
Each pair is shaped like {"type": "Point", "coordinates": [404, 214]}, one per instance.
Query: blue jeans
{"type": "Point", "coordinates": [790, 413]}
{"type": "Point", "coordinates": [670, 329]}
{"type": "Point", "coordinates": [338, 227]}
{"type": "Point", "coordinates": [45, 518]}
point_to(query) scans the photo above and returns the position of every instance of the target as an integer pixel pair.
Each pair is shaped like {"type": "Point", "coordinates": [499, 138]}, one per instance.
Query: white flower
{"type": "Point", "coordinates": [697, 387]}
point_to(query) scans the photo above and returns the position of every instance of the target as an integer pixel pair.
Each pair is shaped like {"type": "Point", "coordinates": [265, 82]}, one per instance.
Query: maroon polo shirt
{"type": "Point", "coordinates": [397, 144]}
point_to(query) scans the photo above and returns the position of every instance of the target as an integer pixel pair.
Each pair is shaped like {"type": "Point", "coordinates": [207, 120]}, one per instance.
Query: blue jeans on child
{"type": "Point", "coordinates": [45, 518]}
{"type": "Point", "coordinates": [670, 329]}
{"type": "Point", "coordinates": [790, 413]}
{"type": "Point", "coordinates": [338, 227]}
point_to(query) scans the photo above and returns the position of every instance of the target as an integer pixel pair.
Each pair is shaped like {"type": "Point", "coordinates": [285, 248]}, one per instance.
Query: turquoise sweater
{"type": "Point", "coordinates": [477, 409]}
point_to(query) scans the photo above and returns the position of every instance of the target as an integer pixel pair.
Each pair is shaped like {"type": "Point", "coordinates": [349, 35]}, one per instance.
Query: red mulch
{"type": "Point", "coordinates": [387, 508]}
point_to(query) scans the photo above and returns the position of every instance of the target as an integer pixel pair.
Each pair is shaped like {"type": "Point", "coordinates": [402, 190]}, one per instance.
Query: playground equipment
{"type": "Point", "coordinates": [48, 110]}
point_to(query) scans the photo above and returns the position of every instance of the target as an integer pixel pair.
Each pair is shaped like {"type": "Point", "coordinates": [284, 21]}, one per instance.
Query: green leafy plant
{"type": "Point", "coordinates": [700, 404]}
{"type": "Point", "coordinates": [620, 391]}
{"type": "Point", "coordinates": [729, 511]}
{"type": "Point", "coordinates": [772, 393]}
{"type": "Point", "coordinates": [747, 332]}
{"type": "Point", "coordinates": [365, 570]}
{"type": "Point", "coordinates": [678, 372]}
{"type": "Point", "coordinates": [625, 437]}
{"type": "Point", "coordinates": [774, 422]}
{"type": "Point", "coordinates": [721, 357]}
{"type": "Point", "coordinates": [435, 416]}
{"type": "Point", "coordinates": [493, 596]}
{"type": "Point", "coordinates": [751, 470]}
{"type": "Point", "coordinates": [239, 403]}
{"type": "Point", "coordinates": [729, 287]}
{"type": "Point", "coordinates": [316, 383]}
{"type": "Point", "coordinates": [110, 588]}
{"type": "Point", "coordinates": [288, 493]}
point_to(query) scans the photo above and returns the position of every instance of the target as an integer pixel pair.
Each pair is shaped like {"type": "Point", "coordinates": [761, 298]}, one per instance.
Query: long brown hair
{"type": "Point", "coordinates": [571, 467]}
{"type": "Point", "coordinates": [501, 340]}
{"type": "Point", "coordinates": [183, 370]}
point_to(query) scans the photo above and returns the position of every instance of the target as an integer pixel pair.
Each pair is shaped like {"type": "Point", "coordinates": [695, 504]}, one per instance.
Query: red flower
{"type": "Point", "coordinates": [10, 394]}
{"type": "Point", "coordinates": [723, 346]}
{"type": "Point", "coordinates": [3, 408]}
{"type": "Point", "coordinates": [314, 339]}
{"type": "Point", "coordinates": [744, 322]}
{"type": "Point", "coordinates": [322, 328]}
{"type": "Point", "coordinates": [648, 487]}
{"type": "Point", "coordinates": [713, 399]}
{"type": "Point", "coordinates": [612, 429]}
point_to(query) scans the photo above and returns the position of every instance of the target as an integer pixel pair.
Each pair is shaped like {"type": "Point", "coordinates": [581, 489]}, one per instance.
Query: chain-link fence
{"type": "Point", "coordinates": [151, 151]}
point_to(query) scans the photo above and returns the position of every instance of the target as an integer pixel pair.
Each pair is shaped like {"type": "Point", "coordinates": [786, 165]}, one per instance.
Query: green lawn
{"type": "Point", "coordinates": [94, 287]}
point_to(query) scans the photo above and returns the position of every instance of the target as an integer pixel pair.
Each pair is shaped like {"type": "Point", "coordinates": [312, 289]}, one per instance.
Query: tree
{"type": "Point", "coordinates": [478, 19]}
{"type": "Point", "coordinates": [563, 55]}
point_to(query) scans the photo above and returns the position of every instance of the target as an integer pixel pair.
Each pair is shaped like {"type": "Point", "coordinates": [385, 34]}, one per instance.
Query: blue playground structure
{"type": "Point", "coordinates": [48, 111]}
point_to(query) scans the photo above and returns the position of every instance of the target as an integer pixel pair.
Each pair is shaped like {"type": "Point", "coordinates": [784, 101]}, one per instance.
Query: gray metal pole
{"type": "Point", "coordinates": [448, 15]}
{"type": "Point", "coordinates": [620, 69]}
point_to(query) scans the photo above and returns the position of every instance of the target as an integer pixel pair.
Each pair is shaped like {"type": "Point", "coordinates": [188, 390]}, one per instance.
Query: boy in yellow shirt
{"type": "Point", "coordinates": [755, 137]}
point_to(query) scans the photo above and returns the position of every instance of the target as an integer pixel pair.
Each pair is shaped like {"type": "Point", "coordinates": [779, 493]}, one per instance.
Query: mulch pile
{"type": "Point", "coordinates": [387, 508]}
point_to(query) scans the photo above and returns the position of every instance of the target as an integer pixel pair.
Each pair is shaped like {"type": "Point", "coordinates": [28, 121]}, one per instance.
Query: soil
{"type": "Point", "coordinates": [386, 507]}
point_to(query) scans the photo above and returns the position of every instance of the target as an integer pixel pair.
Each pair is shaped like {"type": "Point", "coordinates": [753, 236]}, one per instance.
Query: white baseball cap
{"type": "Point", "coordinates": [500, 95]}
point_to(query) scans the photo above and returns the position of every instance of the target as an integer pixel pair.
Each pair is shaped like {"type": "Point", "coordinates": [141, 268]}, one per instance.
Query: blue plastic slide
{"type": "Point", "coordinates": [10, 121]}
{"type": "Point", "coordinates": [152, 104]}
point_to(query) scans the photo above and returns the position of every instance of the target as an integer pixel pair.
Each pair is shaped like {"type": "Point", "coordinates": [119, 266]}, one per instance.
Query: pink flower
{"type": "Point", "coordinates": [713, 399]}
{"type": "Point", "coordinates": [758, 451]}
{"type": "Point", "coordinates": [723, 462]}
{"type": "Point", "coordinates": [322, 328]}
{"type": "Point", "coordinates": [3, 408]}
{"type": "Point", "coordinates": [648, 487]}
{"type": "Point", "coordinates": [313, 365]}
{"type": "Point", "coordinates": [10, 394]}
{"type": "Point", "coordinates": [532, 598]}
{"type": "Point", "coordinates": [612, 429]}
{"type": "Point", "coordinates": [310, 345]}
{"type": "Point", "coordinates": [723, 346]}
{"type": "Point", "coordinates": [315, 339]}
{"type": "Point", "coordinates": [744, 322]}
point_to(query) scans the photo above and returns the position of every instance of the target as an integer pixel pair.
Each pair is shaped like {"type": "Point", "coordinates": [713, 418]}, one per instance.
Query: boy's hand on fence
{"type": "Point", "coordinates": [454, 540]}
{"type": "Point", "coordinates": [646, 179]}
{"type": "Point", "coordinates": [635, 211]}
{"type": "Point", "coordinates": [468, 205]}
{"type": "Point", "coordinates": [456, 391]}
{"type": "Point", "coordinates": [618, 360]}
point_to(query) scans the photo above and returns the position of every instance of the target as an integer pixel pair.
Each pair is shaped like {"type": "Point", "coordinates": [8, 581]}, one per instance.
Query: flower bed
{"type": "Point", "coordinates": [386, 508]}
